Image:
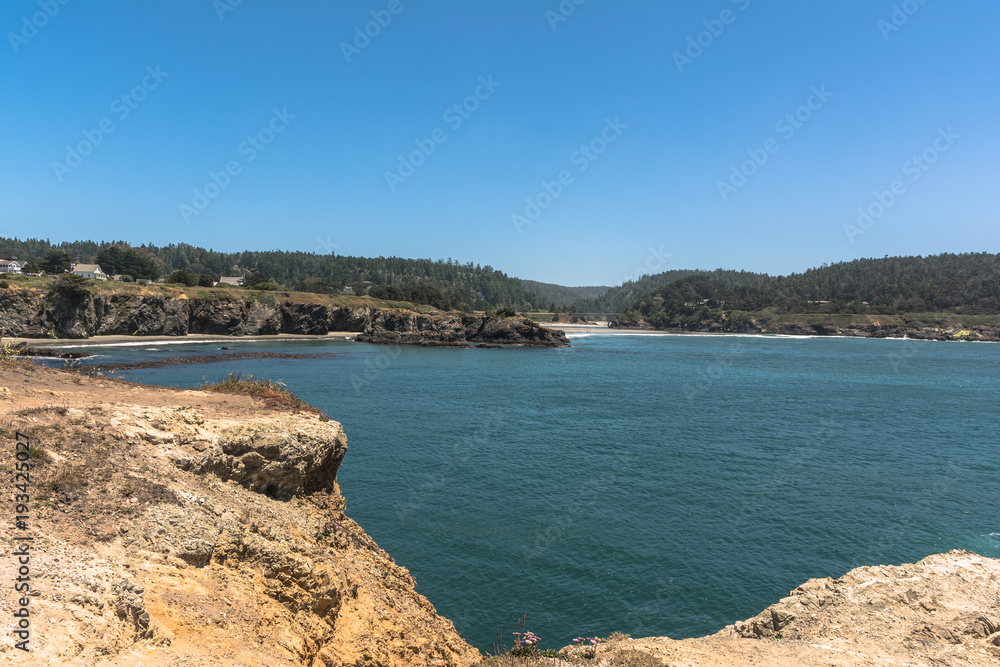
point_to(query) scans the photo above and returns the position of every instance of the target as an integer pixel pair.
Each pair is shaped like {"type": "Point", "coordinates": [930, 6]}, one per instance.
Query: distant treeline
{"type": "Point", "coordinates": [442, 283]}
{"type": "Point", "coordinates": [622, 298]}
{"type": "Point", "coordinates": [966, 284]}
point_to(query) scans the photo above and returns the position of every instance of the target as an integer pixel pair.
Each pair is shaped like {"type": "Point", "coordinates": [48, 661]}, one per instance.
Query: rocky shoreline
{"type": "Point", "coordinates": [393, 328]}
{"type": "Point", "coordinates": [38, 314]}
{"type": "Point", "coordinates": [955, 332]}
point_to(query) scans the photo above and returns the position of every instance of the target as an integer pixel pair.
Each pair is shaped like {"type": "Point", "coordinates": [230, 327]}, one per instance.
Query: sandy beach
{"type": "Point", "coordinates": [189, 338]}
{"type": "Point", "coordinates": [595, 328]}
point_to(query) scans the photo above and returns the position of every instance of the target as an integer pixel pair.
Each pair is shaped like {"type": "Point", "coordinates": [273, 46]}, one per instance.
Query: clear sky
{"type": "Point", "coordinates": [268, 124]}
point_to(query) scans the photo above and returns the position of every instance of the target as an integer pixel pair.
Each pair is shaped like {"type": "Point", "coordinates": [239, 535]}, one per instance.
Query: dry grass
{"type": "Point", "coordinates": [81, 466]}
{"type": "Point", "coordinates": [273, 394]}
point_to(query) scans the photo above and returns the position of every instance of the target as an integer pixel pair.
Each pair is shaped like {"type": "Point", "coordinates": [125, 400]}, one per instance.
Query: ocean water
{"type": "Point", "coordinates": [654, 485]}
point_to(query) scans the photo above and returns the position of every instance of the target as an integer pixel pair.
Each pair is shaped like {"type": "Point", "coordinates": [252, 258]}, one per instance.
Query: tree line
{"type": "Point", "coordinates": [966, 284]}
{"type": "Point", "coordinates": [445, 282]}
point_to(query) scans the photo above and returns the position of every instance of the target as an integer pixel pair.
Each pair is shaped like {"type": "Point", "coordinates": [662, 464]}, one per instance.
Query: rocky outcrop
{"type": "Point", "coordinates": [408, 328]}
{"type": "Point", "coordinates": [511, 331]}
{"type": "Point", "coordinates": [185, 527]}
{"type": "Point", "coordinates": [276, 461]}
{"type": "Point", "coordinates": [404, 327]}
{"type": "Point", "coordinates": [943, 610]}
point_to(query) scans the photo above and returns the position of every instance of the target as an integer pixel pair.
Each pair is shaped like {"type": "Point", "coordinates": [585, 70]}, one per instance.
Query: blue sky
{"type": "Point", "coordinates": [622, 122]}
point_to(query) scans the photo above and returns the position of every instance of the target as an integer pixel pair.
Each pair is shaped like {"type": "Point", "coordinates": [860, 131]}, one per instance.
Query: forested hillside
{"type": "Point", "coordinates": [443, 283]}
{"type": "Point", "coordinates": [622, 298]}
{"type": "Point", "coordinates": [967, 284]}
{"type": "Point", "coordinates": [560, 295]}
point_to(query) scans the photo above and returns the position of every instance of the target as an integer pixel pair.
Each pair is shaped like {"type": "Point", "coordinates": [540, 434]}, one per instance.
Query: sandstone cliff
{"type": "Point", "coordinates": [187, 527]}
{"type": "Point", "coordinates": [943, 610]}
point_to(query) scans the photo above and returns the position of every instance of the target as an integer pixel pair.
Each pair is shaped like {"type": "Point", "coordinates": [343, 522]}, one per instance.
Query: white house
{"type": "Point", "coordinates": [235, 281]}
{"type": "Point", "coordinates": [10, 266]}
{"type": "Point", "coordinates": [89, 271]}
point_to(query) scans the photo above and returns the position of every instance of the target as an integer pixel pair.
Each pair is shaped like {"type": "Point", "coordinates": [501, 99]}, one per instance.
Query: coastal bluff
{"type": "Point", "coordinates": [161, 311]}
{"type": "Point", "coordinates": [189, 527]}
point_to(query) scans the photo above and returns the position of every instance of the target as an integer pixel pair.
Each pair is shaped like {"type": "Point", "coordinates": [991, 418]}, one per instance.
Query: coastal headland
{"type": "Point", "coordinates": [143, 311]}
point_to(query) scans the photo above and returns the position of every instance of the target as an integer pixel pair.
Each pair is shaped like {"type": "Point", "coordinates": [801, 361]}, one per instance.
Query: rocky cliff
{"type": "Point", "coordinates": [36, 314]}
{"type": "Point", "coordinates": [406, 328]}
{"type": "Point", "coordinates": [943, 610]}
{"type": "Point", "coordinates": [187, 527]}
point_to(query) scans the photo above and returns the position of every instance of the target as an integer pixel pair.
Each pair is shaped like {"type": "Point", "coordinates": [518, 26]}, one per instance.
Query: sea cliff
{"type": "Point", "coordinates": [193, 527]}
{"type": "Point", "coordinates": [175, 312]}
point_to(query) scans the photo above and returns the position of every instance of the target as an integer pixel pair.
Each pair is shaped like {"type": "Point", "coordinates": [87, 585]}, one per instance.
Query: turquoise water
{"type": "Point", "coordinates": [655, 485]}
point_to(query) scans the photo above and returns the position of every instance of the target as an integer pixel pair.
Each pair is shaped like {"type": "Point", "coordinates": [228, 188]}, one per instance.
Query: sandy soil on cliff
{"type": "Point", "coordinates": [141, 555]}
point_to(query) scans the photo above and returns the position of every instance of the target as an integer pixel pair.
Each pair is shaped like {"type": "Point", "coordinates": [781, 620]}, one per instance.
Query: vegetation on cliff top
{"type": "Point", "coordinates": [445, 284]}
{"type": "Point", "coordinates": [274, 394]}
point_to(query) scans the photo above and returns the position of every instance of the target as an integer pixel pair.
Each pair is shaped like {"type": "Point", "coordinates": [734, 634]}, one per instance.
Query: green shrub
{"type": "Point", "coordinates": [4, 284]}
{"type": "Point", "coordinates": [71, 286]}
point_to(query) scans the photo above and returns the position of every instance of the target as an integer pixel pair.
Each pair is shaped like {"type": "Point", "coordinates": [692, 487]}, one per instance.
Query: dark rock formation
{"type": "Point", "coordinates": [407, 328]}
{"type": "Point", "coordinates": [512, 331]}
{"type": "Point", "coordinates": [35, 314]}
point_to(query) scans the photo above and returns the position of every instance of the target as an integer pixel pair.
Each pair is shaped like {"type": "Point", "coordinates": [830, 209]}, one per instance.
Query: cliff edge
{"type": "Point", "coordinates": [175, 527]}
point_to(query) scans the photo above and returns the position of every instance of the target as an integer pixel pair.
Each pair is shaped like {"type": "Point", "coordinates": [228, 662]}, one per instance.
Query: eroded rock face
{"type": "Point", "coordinates": [211, 532]}
{"type": "Point", "coordinates": [511, 330]}
{"type": "Point", "coordinates": [408, 328]}
{"type": "Point", "coordinates": [276, 461]}
{"type": "Point", "coordinates": [945, 599]}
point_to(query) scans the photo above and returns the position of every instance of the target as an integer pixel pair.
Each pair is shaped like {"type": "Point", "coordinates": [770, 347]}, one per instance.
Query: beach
{"type": "Point", "coordinates": [95, 341]}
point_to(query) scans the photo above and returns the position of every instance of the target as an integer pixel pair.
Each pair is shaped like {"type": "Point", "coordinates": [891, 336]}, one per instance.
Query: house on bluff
{"type": "Point", "coordinates": [89, 271]}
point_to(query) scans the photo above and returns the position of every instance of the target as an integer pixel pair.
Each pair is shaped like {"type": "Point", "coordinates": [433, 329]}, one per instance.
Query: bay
{"type": "Point", "coordinates": [648, 484]}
